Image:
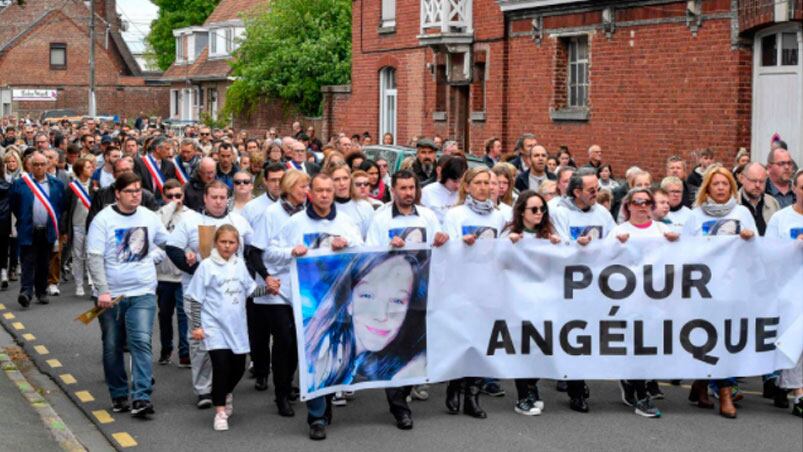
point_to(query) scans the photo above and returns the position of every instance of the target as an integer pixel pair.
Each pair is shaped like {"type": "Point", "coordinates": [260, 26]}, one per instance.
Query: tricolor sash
{"type": "Point", "coordinates": [156, 174]}
{"type": "Point", "coordinates": [42, 196]}
{"type": "Point", "coordinates": [80, 193]}
{"type": "Point", "coordinates": [293, 165]}
{"type": "Point", "coordinates": [181, 174]}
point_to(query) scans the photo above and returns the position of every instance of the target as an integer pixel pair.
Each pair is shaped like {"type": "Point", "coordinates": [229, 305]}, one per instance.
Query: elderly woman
{"type": "Point", "coordinates": [718, 212]}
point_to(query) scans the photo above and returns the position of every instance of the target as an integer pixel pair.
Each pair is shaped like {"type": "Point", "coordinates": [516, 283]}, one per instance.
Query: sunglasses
{"type": "Point", "coordinates": [360, 184]}
{"type": "Point", "coordinates": [173, 196]}
{"type": "Point", "coordinates": [641, 202]}
{"type": "Point", "coordinates": [205, 134]}
{"type": "Point", "coordinates": [537, 209]}
{"type": "Point", "coordinates": [242, 182]}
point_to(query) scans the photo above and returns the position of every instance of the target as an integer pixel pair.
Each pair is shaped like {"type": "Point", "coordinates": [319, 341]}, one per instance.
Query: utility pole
{"type": "Point", "coordinates": [92, 107]}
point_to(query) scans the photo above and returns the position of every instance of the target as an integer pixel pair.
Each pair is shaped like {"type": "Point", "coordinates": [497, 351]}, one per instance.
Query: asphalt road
{"type": "Point", "coordinates": [365, 424]}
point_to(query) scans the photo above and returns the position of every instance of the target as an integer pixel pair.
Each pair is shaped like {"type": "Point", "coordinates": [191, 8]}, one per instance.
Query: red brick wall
{"type": "Point", "coordinates": [669, 92]}
{"type": "Point", "coordinates": [754, 14]}
{"type": "Point", "coordinates": [126, 102]}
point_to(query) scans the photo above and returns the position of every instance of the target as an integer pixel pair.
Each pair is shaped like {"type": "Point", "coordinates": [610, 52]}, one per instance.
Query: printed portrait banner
{"type": "Point", "coordinates": [697, 308]}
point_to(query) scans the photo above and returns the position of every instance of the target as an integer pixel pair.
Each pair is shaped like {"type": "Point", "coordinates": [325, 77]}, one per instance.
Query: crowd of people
{"type": "Point", "coordinates": [204, 228]}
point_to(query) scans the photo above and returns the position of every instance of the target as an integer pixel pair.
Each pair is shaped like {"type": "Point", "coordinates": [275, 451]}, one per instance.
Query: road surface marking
{"type": "Point", "coordinates": [84, 396]}
{"type": "Point", "coordinates": [18, 326]}
{"type": "Point", "coordinates": [124, 439]}
{"type": "Point", "coordinates": [29, 337]}
{"type": "Point", "coordinates": [41, 349]}
{"type": "Point", "coordinates": [103, 416]}
{"type": "Point", "coordinates": [8, 316]}
{"type": "Point", "coordinates": [54, 363]}
{"type": "Point", "coordinates": [2, 307]}
{"type": "Point", "coordinates": [68, 379]}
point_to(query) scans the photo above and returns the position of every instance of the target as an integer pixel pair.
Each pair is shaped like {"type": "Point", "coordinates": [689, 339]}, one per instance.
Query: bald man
{"type": "Point", "coordinates": [194, 190]}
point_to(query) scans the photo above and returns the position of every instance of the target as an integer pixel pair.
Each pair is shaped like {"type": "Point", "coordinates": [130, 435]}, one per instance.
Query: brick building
{"type": "Point", "coordinates": [643, 78]}
{"type": "Point", "coordinates": [44, 62]}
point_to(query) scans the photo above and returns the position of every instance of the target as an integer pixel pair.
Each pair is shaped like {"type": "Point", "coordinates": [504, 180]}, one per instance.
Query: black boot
{"type": "Point", "coordinates": [453, 396]}
{"type": "Point", "coordinates": [471, 401]}
{"type": "Point", "coordinates": [285, 409]}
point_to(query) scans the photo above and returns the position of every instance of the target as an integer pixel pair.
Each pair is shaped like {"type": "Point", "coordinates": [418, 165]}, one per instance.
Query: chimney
{"type": "Point", "coordinates": [107, 9]}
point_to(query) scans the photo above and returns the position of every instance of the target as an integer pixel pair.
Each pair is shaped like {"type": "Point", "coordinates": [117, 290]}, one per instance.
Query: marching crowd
{"type": "Point", "coordinates": [204, 227]}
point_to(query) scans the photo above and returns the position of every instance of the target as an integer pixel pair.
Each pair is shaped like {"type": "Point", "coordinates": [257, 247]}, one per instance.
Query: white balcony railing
{"type": "Point", "coordinates": [446, 16]}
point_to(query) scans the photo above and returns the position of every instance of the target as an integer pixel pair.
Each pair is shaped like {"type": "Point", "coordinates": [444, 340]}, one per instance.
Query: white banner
{"type": "Point", "coordinates": [32, 94]}
{"type": "Point", "coordinates": [698, 308]}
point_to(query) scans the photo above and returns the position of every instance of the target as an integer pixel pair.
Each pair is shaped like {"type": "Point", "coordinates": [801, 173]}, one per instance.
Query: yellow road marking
{"type": "Point", "coordinates": [84, 396]}
{"type": "Point", "coordinates": [54, 363]}
{"type": "Point", "coordinates": [18, 326]}
{"type": "Point", "coordinates": [8, 316]}
{"type": "Point", "coordinates": [68, 379]}
{"type": "Point", "coordinates": [103, 416]}
{"type": "Point", "coordinates": [41, 349]}
{"type": "Point", "coordinates": [2, 307]}
{"type": "Point", "coordinates": [29, 337]}
{"type": "Point", "coordinates": [124, 439]}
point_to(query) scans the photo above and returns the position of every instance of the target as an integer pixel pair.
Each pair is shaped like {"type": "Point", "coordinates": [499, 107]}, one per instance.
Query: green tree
{"type": "Point", "coordinates": [175, 14]}
{"type": "Point", "coordinates": [290, 50]}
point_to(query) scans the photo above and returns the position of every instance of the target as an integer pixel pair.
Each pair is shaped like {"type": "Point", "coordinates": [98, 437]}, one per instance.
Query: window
{"type": "Point", "coordinates": [780, 48]}
{"type": "Point", "coordinates": [789, 50]}
{"type": "Point", "coordinates": [58, 56]}
{"type": "Point", "coordinates": [180, 53]}
{"type": "Point", "coordinates": [388, 14]}
{"type": "Point", "coordinates": [175, 99]}
{"type": "Point", "coordinates": [769, 51]}
{"type": "Point", "coordinates": [578, 72]}
{"type": "Point", "coordinates": [478, 87]}
{"type": "Point", "coordinates": [229, 40]}
{"type": "Point", "coordinates": [213, 41]}
{"type": "Point", "coordinates": [387, 102]}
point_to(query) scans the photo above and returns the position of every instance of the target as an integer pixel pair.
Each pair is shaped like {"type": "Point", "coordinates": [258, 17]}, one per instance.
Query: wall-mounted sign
{"type": "Point", "coordinates": [32, 94]}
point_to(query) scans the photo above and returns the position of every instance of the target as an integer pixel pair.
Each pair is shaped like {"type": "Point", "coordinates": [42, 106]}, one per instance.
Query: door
{"type": "Point", "coordinates": [459, 116]}
{"type": "Point", "coordinates": [778, 90]}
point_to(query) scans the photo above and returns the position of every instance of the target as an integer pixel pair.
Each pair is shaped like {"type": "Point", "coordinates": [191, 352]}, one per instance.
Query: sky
{"type": "Point", "coordinates": [138, 14]}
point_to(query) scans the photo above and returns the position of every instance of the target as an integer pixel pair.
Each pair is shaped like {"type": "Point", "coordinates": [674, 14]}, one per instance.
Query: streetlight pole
{"type": "Point", "coordinates": [92, 107]}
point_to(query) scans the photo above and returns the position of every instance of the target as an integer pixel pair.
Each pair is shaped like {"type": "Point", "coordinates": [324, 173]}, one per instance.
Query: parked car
{"type": "Point", "coordinates": [59, 115]}
{"type": "Point", "coordinates": [395, 155]}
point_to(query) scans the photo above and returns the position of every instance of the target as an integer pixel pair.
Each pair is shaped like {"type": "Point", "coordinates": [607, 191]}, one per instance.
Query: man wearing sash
{"type": "Point", "coordinates": [155, 167]}
{"type": "Point", "coordinates": [187, 160]}
{"type": "Point", "coordinates": [37, 200]}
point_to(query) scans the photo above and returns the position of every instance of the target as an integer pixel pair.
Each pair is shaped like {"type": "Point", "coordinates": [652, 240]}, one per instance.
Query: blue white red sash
{"type": "Point", "coordinates": [42, 196]}
{"type": "Point", "coordinates": [293, 165]}
{"type": "Point", "coordinates": [80, 193]}
{"type": "Point", "coordinates": [156, 174]}
{"type": "Point", "coordinates": [181, 175]}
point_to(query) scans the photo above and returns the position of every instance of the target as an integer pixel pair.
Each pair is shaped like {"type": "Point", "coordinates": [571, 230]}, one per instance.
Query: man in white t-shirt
{"type": "Point", "coordinates": [120, 250]}
{"type": "Point", "coordinates": [442, 195]}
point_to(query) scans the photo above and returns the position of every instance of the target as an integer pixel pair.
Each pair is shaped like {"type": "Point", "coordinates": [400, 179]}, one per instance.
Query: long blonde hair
{"type": "Point", "coordinates": [713, 170]}
{"type": "Point", "coordinates": [507, 171]}
{"type": "Point", "coordinates": [466, 180]}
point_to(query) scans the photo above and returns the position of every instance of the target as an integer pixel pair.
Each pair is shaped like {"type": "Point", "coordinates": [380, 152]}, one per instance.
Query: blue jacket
{"type": "Point", "coordinates": [22, 205]}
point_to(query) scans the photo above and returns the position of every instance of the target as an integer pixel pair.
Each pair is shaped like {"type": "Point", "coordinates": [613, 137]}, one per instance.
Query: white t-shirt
{"type": "Point", "coordinates": [221, 289]}
{"type": "Point", "coordinates": [700, 223]}
{"type": "Point", "coordinates": [678, 219]}
{"type": "Point", "coordinates": [461, 221]}
{"type": "Point", "coordinates": [106, 179]}
{"type": "Point", "coordinates": [655, 229]}
{"type": "Point", "coordinates": [360, 213]}
{"type": "Point", "coordinates": [185, 235]}
{"type": "Point", "coordinates": [256, 208]}
{"type": "Point", "coordinates": [786, 223]}
{"type": "Point", "coordinates": [438, 198]}
{"type": "Point", "coordinates": [276, 258]}
{"type": "Point", "coordinates": [414, 228]}
{"type": "Point", "coordinates": [126, 243]}
{"type": "Point", "coordinates": [571, 224]}
{"type": "Point", "coordinates": [507, 211]}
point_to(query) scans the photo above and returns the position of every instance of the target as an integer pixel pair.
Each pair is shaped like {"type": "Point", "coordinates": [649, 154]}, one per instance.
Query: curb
{"type": "Point", "coordinates": [54, 424]}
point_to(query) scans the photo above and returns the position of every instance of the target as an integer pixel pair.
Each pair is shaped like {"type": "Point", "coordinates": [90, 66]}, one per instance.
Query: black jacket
{"type": "Point", "coordinates": [105, 197]}
{"type": "Point", "coordinates": [168, 171]}
{"type": "Point", "coordinates": [194, 194]}
{"type": "Point", "coordinates": [523, 180]}
{"type": "Point", "coordinates": [423, 179]}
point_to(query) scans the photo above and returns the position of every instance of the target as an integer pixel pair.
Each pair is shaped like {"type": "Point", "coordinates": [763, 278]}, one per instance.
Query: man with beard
{"type": "Point", "coordinates": [424, 166]}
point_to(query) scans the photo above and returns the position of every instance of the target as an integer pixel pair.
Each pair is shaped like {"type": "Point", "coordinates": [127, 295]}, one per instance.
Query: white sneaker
{"type": "Point", "coordinates": [4, 275]}
{"type": "Point", "coordinates": [221, 422]}
{"type": "Point", "coordinates": [229, 405]}
{"type": "Point", "coordinates": [53, 290]}
{"type": "Point", "coordinates": [79, 291]}
{"type": "Point", "coordinates": [339, 399]}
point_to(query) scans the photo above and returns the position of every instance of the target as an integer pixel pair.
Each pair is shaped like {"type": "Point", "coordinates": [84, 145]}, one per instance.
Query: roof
{"type": "Point", "coordinates": [202, 69]}
{"type": "Point", "coordinates": [232, 9]}
{"type": "Point", "coordinates": [19, 20]}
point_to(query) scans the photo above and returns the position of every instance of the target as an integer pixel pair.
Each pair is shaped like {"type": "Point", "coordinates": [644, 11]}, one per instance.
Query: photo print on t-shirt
{"type": "Point", "coordinates": [480, 232]}
{"type": "Point", "coordinates": [131, 243]}
{"type": "Point", "coordinates": [315, 240]}
{"type": "Point", "coordinates": [794, 233]}
{"type": "Point", "coordinates": [594, 232]}
{"type": "Point", "coordinates": [414, 234]}
{"type": "Point", "coordinates": [722, 227]}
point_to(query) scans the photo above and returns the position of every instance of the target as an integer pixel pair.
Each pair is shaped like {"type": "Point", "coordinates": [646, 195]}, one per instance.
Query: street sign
{"type": "Point", "coordinates": [33, 94]}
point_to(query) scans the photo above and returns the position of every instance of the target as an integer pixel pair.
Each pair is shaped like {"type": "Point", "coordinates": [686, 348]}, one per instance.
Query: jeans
{"type": "Point", "coordinates": [133, 316]}
{"type": "Point", "coordinates": [170, 298]}
{"type": "Point", "coordinates": [319, 410]}
{"type": "Point", "coordinates": [35, 259]}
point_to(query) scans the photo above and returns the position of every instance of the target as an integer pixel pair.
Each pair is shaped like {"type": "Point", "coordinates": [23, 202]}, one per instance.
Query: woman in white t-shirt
{"type": "Point", "coordinates": [501, 190]}
{"type": "Point", "coordinates": [637, 212]}
{"type": "Point", "coordinates": [216, 295]}
{"type": "Point", "coordinates": [475, 217]}
{"type": "Point", "coordinates": [717, 212]}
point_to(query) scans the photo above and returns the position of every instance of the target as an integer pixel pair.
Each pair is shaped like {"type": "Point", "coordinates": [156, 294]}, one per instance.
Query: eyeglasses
{"type": "Point", "coordinates": [38, 164]}
{"type": "Point", "coordinates": [173, 196]}
{"type": "Point", "coordinates": [132, 191]}
{"type": "Point", "coordinates": [360, 184]}
{"type": "Point", "coordinates": [537, 209]}
{"type": "Point", "coordinates": [641, 202]}
{"type": "Point", "coordinates": [205, 134]}
{"type": "Point", "coordinates": [242, 182]}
